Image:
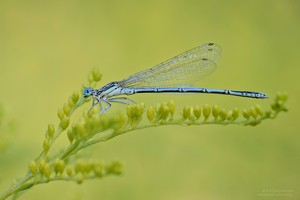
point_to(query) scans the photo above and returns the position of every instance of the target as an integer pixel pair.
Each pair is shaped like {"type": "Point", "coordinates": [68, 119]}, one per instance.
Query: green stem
{"type": "Point", "coordinates": [18, 186]}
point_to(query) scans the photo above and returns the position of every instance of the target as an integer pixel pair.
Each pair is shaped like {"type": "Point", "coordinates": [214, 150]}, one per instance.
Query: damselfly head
{"type": "Point", "coordinates": [88, 92]}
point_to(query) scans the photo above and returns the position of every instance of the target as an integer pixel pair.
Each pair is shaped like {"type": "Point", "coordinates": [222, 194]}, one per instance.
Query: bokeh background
{"type": "Point", "coordinates": [47, 48]}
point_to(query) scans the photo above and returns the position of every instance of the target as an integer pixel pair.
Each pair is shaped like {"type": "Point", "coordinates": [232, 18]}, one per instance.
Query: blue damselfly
{"type": "Point", "coordinates": [175, 75]}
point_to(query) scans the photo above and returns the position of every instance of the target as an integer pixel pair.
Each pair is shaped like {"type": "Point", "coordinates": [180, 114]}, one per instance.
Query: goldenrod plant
{"type": "Point", "coordinates": [92, 128]}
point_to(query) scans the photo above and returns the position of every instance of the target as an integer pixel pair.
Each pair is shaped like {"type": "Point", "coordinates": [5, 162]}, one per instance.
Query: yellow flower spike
{"type": "Point", "coordinates": [47, 170]}
{"type": "Point", "coordinates": [197, 111]}
{"type": "Point", "coordinates": [206, 111]}
{"type": "Point", "coordinates": [64, 123]}
{"type": "Point", "coordinates": [66, 109]}
{"type": "Point", "coordinates": [171, 105]}
{"type": "Point", "coordinates": [33, 167]}
{"type": "Point", "coordinates": [46, 144]}
{"type": "Point", "coordinates": [186, 112]}
{"type": "Point", "coordinates": [70, 170]}
{"type": "Point", "coordinates": [51, 130]}
{"type": "Point", "coordinates": [60, 113]}
{"type": "Point", "coordinates": [259, 110]}
{"type": "Point", "coordinates": [223, 114]}
{"type": "Point", "coordinates": [235, 113]}
{"type": "Point", "coordinates": [150, 113]}
{"type": "Point", "coordinates": [75, 97]}
{"type": "Point", "coordinates": [215, 111]}
{"type": "Point", "coordinates": [246, 114]}
{"type": "Point", "coordinates": [59, 166]}
{"type": "Point", "coordinates": [253, 112]}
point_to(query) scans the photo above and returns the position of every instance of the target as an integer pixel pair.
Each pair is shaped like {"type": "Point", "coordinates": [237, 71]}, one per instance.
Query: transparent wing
{"type": "Point", "coordinates": [182, 70]}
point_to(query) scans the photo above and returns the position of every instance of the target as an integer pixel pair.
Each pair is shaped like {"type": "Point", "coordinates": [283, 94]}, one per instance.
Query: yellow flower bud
{"type": "Point", "coordinates": [46, 144]}
{"type": "Point", "coordinates": [140, 109]}
{"type": "Point", "coordinates": [235, 113]}
{"type": "Point", "coordinates": [98, 168]}
{"type": "Point", "coordinates": [41, 165]}
{"type": "Point", "coordinates": [80, 127]}
{"type": "Point", "coordinates": [115, 168]}
{"type": "Point", "coordinates": [229, 115]}
{"type": "Point", "coordinates": [51, 130]}
{"type": "Point", "coordinates": [129, 111]}
{"type": "Point", "coordinates": [79, 178]}
{"type": "Point", "coordinates": [71, 103]}
{"type": "Point", "coordinates": [70, 170]}
{"type": "Point", "coordinates": [64, 123]}
{"type": "Point", "coordinates": [66, 109]}
{"type": "Point", "coordinates": [33, 167]}
{"type": "Point", "coordinates": [246, 113]}
{"type": "Point", "coordinates": [186, 112]}
{"type": "Point", "coordinates": [259, 110]}
{"type": "Point", "coordinates": [215, 111]}
{"type": "Point", "coordinates": [206, 111]}
{"type": "Point", "coordinates": [60, 113]}
{"type": "Point", "coordinates": [79, 166]}
{"type": "Point", "coordinates": [164, 111]}
{"type": "Point", "coordinates": [253, 112]}
{"type": "Point", "coordinates": [171, 105]}
{"type": "Point", "coordinates": [59, 166]}
{"type": "Point", "coordinates": [70, 135]}
{"type": "Point", "coordinates": [47, 170]}
{"type": "Point", "coordinates": [223, 114]}
{"type": "Point", "coordinates": [75, 97]}
{"type": "Point", "coordinates": [150, 113]}
{"type": "Point", "coordinates": [96, 75]}
{"type": "Point", "coordinates": [197, 112]}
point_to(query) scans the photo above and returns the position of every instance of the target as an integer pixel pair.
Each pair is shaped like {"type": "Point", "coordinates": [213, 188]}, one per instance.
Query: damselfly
{"type": "Point", "coordinates": [175, 75]}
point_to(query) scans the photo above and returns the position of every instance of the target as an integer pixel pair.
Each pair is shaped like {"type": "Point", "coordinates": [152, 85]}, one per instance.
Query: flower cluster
{"type": "Point", "coordinates": [79, 171]}
{"type": "Point", "coordinates": [92, 128]}
{"type": "Point", "coordinates": [213, 114]}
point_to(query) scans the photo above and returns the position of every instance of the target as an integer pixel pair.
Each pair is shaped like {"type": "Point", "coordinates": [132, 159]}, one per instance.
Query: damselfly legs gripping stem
{"type": "Point", "coordinates": [175, 75]}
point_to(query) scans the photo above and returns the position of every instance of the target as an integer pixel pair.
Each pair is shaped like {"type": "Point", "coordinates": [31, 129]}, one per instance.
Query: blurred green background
{"type": "Point", "coordinates": [47, 48]}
